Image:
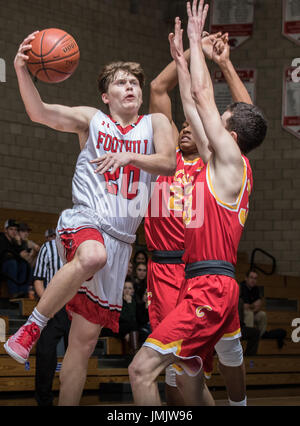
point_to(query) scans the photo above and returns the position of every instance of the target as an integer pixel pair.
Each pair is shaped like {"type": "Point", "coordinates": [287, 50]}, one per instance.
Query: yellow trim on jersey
{"type": "Point", "coordinates": [178, 368]}
{"type": "Point", "coordinates": [207, 374]}
{"type": "Point", "coordinates": [177, 344]}
{"type": "Point", "coordinates": [231, 334]}
{"type": "Point", "coordinates": [191, 161]}
{"type": "Point", "coordinates": [187, 161]}
{"type": "Point", "coordinates": [229, 206]}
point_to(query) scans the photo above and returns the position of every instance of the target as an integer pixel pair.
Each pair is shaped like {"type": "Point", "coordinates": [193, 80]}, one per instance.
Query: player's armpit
{"type": "Point", "coordinates": [65, 118]}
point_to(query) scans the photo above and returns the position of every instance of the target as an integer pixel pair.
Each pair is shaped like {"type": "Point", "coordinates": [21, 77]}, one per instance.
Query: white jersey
{"type": "Point", "coordinates": [119, 199]}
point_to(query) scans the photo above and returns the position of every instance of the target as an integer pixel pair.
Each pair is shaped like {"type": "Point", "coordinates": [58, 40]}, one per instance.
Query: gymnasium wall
{"type": "Point", "coordinates": [37, 164]}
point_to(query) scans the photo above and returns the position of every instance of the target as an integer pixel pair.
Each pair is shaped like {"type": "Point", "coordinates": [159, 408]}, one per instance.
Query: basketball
{"type": "Point", "coordinates": [54, 55]}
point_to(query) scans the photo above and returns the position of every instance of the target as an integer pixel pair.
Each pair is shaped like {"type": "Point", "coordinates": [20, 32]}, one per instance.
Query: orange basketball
{"type": "Point", "coordinates": [54, 55]}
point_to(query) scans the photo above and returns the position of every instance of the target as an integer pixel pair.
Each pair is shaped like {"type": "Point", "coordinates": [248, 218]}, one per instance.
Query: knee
{"type": "Point", "coordinates": [230, 352]}
{"type": "Point", "coordinates": [261, 316]}
{"type": "Point", "coordinates": [138, 372]}
{"type": "Point", "coordinates": [91, 260]}
{"type": "Point", "coordinates": [78, 355]}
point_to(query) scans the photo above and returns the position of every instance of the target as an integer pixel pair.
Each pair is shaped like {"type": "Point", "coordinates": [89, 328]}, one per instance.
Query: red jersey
{"type": "Point", "coordinates": [214, 232]}
{"type": "Point", "coordinates": [164, 228]}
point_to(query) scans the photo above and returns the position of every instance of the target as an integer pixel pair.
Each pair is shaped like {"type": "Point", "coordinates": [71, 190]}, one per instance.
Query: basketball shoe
{"type": "Point", "coordinates": [19, 345]}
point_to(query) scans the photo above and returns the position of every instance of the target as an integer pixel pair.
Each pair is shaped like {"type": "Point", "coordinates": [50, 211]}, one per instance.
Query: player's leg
{"type": "Point", "coordinates": [163, 284]}
{"type": "Point", "coordinates": [172, 393]}
{"type": "Point", "coordinates": [194, 390]}
{"type": "Point", "coordinates": [89, 257]}
{"type": "Point", "coordinates": [83, 337]}
{"type": "Point", "coordinates": [143, 371]}
{"type": "Point", "coordinates": [232, 368]}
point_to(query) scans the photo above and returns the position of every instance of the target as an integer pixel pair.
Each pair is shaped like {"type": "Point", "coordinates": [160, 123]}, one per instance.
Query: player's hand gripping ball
{"type": "Point", "coordinates": [54, 55]}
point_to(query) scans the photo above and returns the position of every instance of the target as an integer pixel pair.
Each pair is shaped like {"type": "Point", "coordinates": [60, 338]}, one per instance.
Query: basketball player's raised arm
{"type": "Point", "coordinates": [59, 117]}
{"type": "Point", "coordinates": [221, 56]}
{"type": "Point", "coordinates": [221, 142]}
{"type": "Point", "coordinates": [189, 107]}
{"type": "Point", "coordinates": [167, 80]}
{"type": "Point", "coordinates": [160, 87]}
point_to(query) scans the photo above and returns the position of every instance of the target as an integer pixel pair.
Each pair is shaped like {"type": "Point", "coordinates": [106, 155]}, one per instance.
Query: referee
{"type": "Point", "coordinates": [47, 264]}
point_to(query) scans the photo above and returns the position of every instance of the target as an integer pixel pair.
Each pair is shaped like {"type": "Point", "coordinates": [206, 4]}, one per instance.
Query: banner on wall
{"type": "Point", "coordinates": [291, 103]}
{"type": "Point", "coordinates": [291, 20]}
{"type": "Point", "coordinates": [222, 93]}
{"type": "Point", "coordinates": [232, 16]}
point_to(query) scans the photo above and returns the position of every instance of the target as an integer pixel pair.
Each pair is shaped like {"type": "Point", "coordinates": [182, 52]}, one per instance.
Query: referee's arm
{"type": "Point", "coordinates": [39, 287]}
{"type": "Point", "coordinates": [40, 271]}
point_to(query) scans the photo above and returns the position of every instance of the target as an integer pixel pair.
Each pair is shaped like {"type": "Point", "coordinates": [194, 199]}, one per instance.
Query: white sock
{"type": "Point", "coordinates": [39, 319]}
{"type": "Point", "coordinates": [238, 403]}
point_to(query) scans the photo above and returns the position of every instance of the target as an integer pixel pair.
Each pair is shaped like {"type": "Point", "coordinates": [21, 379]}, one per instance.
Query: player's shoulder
{"type": "Point", "coordinates": [89, 112]}
{"type": "Point", "coordinates": [45, 245]}
{"type": "Point", "coordinates": [158, 116]}
{"type": "Point", "coordinates": [159, 119]}
{"type": "Point", "coordinates": [85, 113]}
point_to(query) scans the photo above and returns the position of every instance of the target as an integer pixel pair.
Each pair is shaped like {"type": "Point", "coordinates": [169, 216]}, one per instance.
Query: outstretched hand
{"type": "Point", "coordinates": [221, 50]}
{"type": "Point", "coordinates": [208, 42]}
{"type": "Point", "coordinates": [197, 17]}
{"type": "Point", "coordinates": [175, 40]}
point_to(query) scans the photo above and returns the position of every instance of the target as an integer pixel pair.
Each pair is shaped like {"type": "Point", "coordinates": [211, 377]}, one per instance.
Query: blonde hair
{"type": "Point", "coordinates": [109, 72]}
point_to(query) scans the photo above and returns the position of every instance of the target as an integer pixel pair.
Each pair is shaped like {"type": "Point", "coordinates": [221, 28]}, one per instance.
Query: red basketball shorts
{"type": "Point", "coordinates": [163, 285]}
{"type": "Point", "coordinates": [72, 238]}
{"type": "Point", "coordinates": [99, 299]}
{"type": "Point", "coordinates": [207, 311]}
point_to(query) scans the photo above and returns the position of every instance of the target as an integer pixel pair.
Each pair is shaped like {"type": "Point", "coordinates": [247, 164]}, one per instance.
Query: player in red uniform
{"type": "Point", "coordinates": [164, 228]}
{"type": "Point", "coordinates": [207, 306]}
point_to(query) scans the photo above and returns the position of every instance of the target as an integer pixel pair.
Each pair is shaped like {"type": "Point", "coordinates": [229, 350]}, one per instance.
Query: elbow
{"type": "Point", "coordinates": [196, 95]}
{"type": "Point", "coordinates": [36, 114]}
{"type": "Point", "coordinates": [35, 118]}
{"type": "Point", "coordinates": [171, 169]}
{"type": "Point", "coordinates": [199, 94]}
{"type": "Point", "coordinates": [156, 87]}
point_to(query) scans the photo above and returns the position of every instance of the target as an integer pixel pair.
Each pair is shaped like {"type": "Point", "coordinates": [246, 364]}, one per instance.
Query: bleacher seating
{"type": "Point", "coordinates": [272, 367]}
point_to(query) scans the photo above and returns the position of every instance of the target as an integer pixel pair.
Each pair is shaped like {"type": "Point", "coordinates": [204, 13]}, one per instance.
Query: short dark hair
{"type": "Point", "coordinates": [109, 72]}
{"type": "Point", "coordinates": [248, 122]}
{"type": "Point", "coordinates": [140, 252]}
{"type": "Point", "coordinates": [251, 270]}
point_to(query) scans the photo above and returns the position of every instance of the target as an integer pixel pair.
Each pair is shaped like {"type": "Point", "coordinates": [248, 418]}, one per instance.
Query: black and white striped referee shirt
{"type": "Point", "coordinates": [48, 262]}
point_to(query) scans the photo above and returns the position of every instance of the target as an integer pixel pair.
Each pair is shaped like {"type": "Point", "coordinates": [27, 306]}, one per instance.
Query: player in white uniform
{"type": "Point", "coordinates": [110, 193]}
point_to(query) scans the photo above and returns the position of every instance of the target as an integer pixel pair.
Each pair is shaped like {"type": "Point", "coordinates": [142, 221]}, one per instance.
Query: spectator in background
{"type": "Point", "coordinates": [250, 294]}
{"type": "Point", "coordinates": [128, 321]}
{"type": "Point", "coordinates": [142, 316]}
{"type": "Point", "coordinates": [250, 334]}
{"type": "Point", "coordinates": [50, 234]}
{"type": "Point", "coordinates": [13, 260]}
{"type": "Point", "coordinates": [31, 247]}
{"type": "Point", "coordinates": [140, 256]}
{"type": "Point", "coordinates": [140, 281]}
{"type": "Point", "coordinates": [130, 270]}
{"type": "Point", "coordinates": [47, 264]}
